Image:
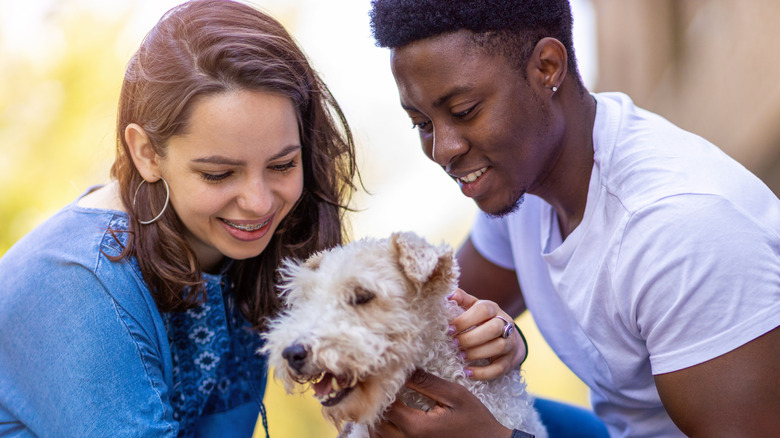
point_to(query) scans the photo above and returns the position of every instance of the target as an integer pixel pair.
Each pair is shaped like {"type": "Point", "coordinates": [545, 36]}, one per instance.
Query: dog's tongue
{"type": "Point", "coordinates": [324, 386]}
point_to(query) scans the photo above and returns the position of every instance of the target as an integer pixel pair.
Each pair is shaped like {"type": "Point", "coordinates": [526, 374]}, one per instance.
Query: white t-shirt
{"type": "Point", "coordinates": [676, 261]}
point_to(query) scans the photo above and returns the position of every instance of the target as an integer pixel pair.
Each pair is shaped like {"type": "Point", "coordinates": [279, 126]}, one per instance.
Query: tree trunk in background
{"type": "Point", "coordinates": [709, 66]}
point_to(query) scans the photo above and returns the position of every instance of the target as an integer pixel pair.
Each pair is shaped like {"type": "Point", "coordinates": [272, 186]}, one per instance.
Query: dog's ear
{"type": "Point", "coordinates": [420, 260]}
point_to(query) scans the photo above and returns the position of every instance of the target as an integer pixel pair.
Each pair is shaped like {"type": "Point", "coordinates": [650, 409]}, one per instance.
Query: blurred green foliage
{"type": "Point", "coordinates": [57, 112]}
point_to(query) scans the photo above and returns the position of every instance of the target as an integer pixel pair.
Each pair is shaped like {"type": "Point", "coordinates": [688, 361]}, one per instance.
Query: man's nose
{"type": "Point", "coordinates": [448, 145]}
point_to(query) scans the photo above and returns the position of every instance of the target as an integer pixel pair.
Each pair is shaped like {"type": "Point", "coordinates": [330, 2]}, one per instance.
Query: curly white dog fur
{"type": "Point", "coordinates": [360, 318]}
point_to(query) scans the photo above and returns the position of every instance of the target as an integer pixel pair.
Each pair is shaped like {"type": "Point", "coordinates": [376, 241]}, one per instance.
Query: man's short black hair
{"type": "Point", "coordinates": [512, 27]}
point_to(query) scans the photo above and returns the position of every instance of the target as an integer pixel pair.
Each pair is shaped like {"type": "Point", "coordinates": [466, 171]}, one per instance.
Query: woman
{"type": "Point", "coordinates": [135, 310]}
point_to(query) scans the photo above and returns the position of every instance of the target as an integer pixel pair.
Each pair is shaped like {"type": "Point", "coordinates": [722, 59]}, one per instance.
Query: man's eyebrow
{"type": "Point", "coordinates": [459, 89]}
{"type": "Point", "coordinates": [443, 99]}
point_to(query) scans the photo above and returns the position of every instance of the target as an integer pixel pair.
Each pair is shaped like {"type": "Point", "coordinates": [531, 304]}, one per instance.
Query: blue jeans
{"type": "Point", "coordinates": [567, 421]}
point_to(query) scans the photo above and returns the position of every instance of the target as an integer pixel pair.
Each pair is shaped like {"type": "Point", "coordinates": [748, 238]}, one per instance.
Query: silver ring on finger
{"type": "Point", "coordinates": [508, 327]}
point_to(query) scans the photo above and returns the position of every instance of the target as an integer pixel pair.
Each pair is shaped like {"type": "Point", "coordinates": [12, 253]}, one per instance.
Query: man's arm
{"type": "Point", "coordinates": [736, 394]}
{"type": "Point", "coordinates": [487, 281]}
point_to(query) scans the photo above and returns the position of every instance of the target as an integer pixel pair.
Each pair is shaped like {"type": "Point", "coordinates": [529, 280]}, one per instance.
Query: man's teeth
{"type": "Point", "coordinates": [470, 178]}
{"type": "Point", "coordinates": [246, 227]}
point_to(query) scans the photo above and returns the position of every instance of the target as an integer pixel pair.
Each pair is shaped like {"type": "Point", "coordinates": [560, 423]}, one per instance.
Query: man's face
{"type": "Point", "coordinates": [478, 118]}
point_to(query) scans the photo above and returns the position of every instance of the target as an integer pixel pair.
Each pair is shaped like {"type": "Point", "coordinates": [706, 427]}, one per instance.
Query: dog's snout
{"type": "Point", "coordinates": [295, 355]}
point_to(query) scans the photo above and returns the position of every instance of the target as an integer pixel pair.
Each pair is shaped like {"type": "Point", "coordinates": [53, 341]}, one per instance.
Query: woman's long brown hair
{"type": "Point", "coordinates": [205, 47]}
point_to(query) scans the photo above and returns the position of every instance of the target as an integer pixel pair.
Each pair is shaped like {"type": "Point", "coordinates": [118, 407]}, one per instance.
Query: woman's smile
{"type": "Point", "coordinates": [247, 231]}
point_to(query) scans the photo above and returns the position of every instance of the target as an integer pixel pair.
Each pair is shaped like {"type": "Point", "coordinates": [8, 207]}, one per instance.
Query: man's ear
{"type": "Point", "coordinates": [548, 64]}
{"type": "Point", "coordinates": [142, 152]}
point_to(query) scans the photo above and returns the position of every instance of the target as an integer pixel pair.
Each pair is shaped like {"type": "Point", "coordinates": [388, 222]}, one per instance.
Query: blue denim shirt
{"type": "Point", "coordinates": [85, 352]}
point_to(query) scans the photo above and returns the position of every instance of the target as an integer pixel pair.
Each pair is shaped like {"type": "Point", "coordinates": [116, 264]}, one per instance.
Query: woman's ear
{"type": "Point", "coordinates": [549, 63]}
{"type": "Point", "coordinates": [142, 152]}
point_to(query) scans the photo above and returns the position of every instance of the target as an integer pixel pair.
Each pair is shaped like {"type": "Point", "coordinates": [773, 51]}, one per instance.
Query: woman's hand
{"type": "Point", "coordinates": [479, 334]}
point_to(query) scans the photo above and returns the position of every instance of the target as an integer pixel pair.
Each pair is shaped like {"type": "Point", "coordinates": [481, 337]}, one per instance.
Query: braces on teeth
{"type": "Point", "coordinates": [244, 227]}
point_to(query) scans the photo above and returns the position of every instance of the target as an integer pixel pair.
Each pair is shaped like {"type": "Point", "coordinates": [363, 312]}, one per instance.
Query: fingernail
{"type": "Point", "coordinates": [450, 329]}
{"type": "Point", "coordinates": [455, 342]}
{"type": "Point", "coordinates": [462, 355]}
{"type": "Point", "coordinates": [450, 295]}
{"type": "Point", "coordinates": [468, 372]}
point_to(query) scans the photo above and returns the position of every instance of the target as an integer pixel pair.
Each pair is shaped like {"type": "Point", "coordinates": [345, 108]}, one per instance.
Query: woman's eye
{"type": "Point", "coordinates": [215, 177]}
{"type": "Point", "coordinates": [284, 166]}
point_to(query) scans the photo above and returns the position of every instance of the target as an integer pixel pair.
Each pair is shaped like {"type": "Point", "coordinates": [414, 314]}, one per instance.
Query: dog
{"type": "Point", "coordinates": [357, 321]}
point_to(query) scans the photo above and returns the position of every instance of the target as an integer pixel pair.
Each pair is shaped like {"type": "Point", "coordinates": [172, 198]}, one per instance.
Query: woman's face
{"type": "Point", "coordinates": [235, 174]}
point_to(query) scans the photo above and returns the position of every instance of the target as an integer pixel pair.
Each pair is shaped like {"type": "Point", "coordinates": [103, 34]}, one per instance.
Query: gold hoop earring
{"type": "Point", "coordinates": [167, 198]}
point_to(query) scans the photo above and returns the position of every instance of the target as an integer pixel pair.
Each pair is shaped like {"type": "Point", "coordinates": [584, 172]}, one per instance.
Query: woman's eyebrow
{"type": "Point", "coordinates": [222, 160]}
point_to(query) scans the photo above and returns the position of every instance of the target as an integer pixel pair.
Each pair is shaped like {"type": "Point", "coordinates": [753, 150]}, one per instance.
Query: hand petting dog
{"type": "Point", "coordinates": [479, 334]}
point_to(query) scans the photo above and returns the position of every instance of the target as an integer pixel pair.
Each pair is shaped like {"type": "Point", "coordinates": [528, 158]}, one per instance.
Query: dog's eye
{"type": "Point", "coordinates": [362, 296]}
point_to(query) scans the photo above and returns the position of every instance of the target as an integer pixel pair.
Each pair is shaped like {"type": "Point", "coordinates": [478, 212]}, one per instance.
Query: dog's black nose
{"type": "Point", "coordinates": [295, 355]}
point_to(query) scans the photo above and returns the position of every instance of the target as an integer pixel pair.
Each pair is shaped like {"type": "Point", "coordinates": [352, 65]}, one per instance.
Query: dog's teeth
{"type": "Point", "coordinates": [326, 397]}
{"type": "Point", "coordinates": [335, 383]}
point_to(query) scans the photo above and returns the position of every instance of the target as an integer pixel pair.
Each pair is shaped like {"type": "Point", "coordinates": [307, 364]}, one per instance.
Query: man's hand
{"type": "Point", "coordinates": [458, 413]}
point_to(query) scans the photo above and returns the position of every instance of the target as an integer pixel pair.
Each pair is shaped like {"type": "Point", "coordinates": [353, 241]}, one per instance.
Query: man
{"type": "Point", "coordinates": [649, 259]}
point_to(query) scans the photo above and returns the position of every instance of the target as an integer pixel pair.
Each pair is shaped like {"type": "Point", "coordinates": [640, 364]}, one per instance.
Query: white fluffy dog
{"type": "Point", "coordinates": [360, 318]}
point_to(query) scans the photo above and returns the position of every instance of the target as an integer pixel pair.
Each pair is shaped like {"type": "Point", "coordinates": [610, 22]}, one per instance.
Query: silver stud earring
{"type": "Point", "coordinates": [554, 88]}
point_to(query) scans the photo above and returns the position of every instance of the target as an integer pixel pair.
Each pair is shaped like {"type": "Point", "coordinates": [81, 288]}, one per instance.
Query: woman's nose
{"type": "Point", "coordinates": [256, 196]}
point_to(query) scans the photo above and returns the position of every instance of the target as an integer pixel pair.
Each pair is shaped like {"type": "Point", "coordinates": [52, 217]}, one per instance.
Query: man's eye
{"type": "Point", "coordinates": [464, 113]}
{"type": "Point", "coordinates": [421, 125]}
